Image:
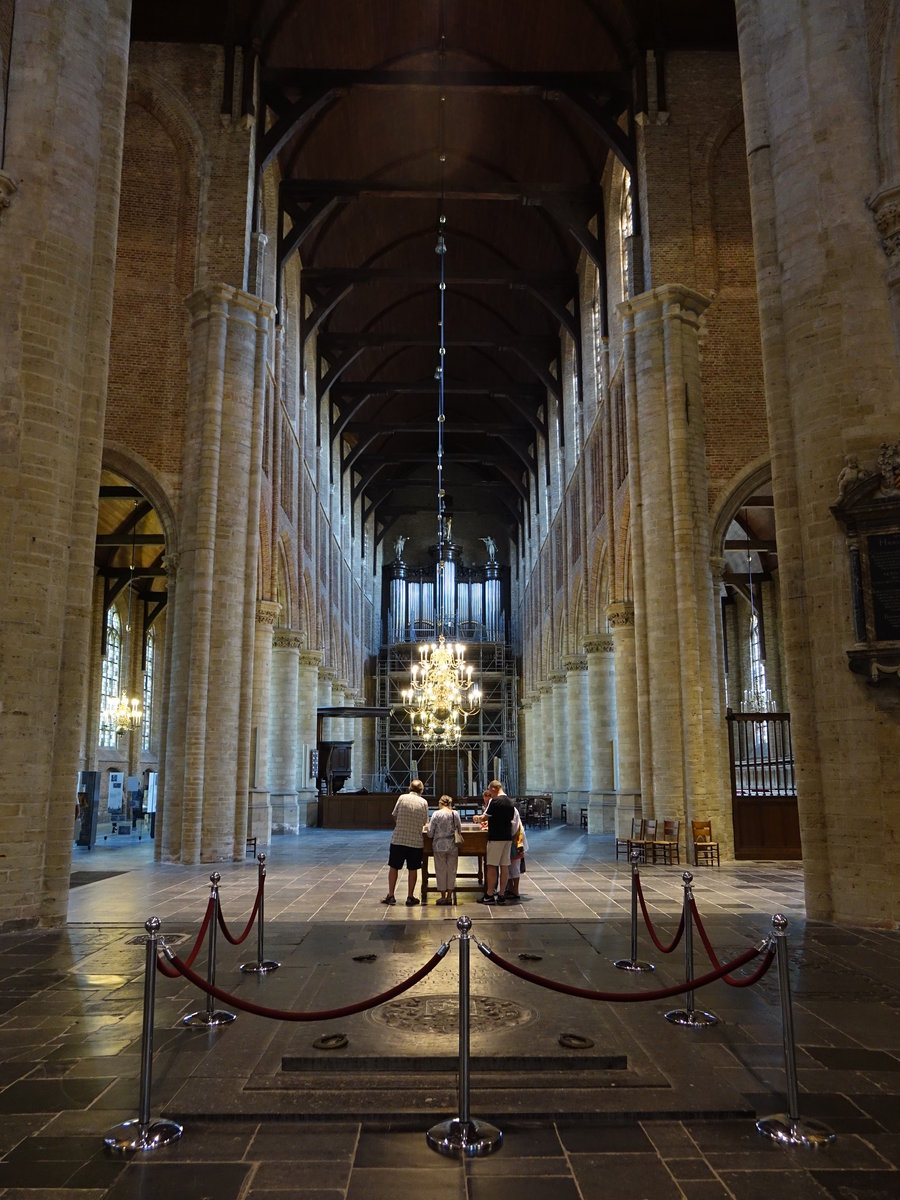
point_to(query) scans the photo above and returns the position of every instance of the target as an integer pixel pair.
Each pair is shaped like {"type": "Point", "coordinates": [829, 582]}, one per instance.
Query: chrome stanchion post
{"type": "Point", "coordinates": [689, 1015]}
{"type": "Point", "coordinates": [463, 1137]}
{"type": "Point", "coordinates": [262, 965]}
{"type": "Point", "coordinates": [211, 1016]}
{"type": "Point", "coordinates": [145, 1133]}
{"type": "Point", "coordinates": [632, 964]}
{"type": "Point", "coordinates": [787, 1128]}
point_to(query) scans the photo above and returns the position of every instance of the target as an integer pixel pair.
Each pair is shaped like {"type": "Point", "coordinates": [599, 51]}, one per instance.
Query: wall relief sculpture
{"type": "Point", "coordinates": [868, 508]}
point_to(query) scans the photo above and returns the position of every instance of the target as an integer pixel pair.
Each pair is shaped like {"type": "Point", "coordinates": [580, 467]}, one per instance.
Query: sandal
{"type": "Point", "coordinates": [389, 900]}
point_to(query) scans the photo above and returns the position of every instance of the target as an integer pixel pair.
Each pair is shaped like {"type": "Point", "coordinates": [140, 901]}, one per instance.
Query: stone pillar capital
{"type": "Point", "coordinates": [885, 207]}
{"type": "Point", "coordinates": [671, 299]}
{"type": "Point", "coordinates": [620, 615]}
{"type": "Point", "coordinates": [717, 567]}
{"type": "Point", "coordinates": [598, 643]}
{"type": "Point", "coordinates": [310, 658]}
{"type": "Point", "coordinates": [8, 188]}
{"type": "Point", "coordinates": [544, 688]}
{"type": "Point", "coordinates": [557, 677]}
{"type": "Point", "coordinates": [227, 299]}
{"type": "Point", "coordinates": [575, 662]}
{"type": "Point", "coordinates": [327, 675]}
{"type": "Point", "coordinates": [288, 639]}
{"type": "Point", "coordinates": [267, 612]}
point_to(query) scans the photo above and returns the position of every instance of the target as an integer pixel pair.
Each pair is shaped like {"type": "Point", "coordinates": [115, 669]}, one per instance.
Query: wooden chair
{"type": "Point", "coordinates": [706, 851]}
{"type": "Point", "coordinates": [666, 848]}
{"type": "Point", "coordinates": [541, 813]}
{"type": "Point", "coordinates": [644, 844]}
{"type": "Point", "coordinates": [627, 843]}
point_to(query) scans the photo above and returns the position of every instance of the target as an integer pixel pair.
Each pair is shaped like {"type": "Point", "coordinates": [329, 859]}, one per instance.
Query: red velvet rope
{"type": "Point", "coordinates": [747, 980]}
{"type": "Point", "coordinates": [236, 941]}
{"type": "Point", "coordinates": [620, 997]}
{"type": "Point", "coordinates": [197, 944]}
{"type": "Point", "coordinates": [287, 1015]}
{"type": "Point", "coordinates": [656, 942]}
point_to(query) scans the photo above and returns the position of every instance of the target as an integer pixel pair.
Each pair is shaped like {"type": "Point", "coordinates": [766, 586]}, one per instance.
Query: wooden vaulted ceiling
{"type": "Point", "coordinates": [384, 115]}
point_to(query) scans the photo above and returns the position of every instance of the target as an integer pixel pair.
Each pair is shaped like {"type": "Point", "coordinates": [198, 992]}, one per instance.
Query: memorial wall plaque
{"type": "Point", "coordinates": [884, 581]}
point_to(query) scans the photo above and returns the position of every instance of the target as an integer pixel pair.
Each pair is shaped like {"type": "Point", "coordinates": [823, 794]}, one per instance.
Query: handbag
{"type": "Point", "coordinates": [458, 837]}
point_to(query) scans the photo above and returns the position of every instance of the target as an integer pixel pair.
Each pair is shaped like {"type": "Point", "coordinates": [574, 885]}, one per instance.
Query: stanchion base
{"type": "Point", "coordinates": [780, 1127]}
{"type": "Point", "coordinates": [132, 1135]}
{"type": "Point", "coordinates": [260, 968]}
{"type": "Point", "coordinates": [696, 1018]}
{"type": "Point", "coordinates": [209, 1019]}
{"type": "Point", "coordinates": [464, 1139]}
{"type": "Point", "coordinates": [626, 964]}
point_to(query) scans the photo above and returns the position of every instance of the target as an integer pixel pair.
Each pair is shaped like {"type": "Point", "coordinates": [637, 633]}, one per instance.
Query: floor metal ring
{"type": "Point", "coordinates": [575, 1041]}
{"type": "Point", "coordinates": [331, 1041]}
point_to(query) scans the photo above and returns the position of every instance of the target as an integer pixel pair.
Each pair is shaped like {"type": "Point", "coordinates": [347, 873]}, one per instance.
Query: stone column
{"type": "Point", "coordinates": [170, 565]}
{"type": "Point", "coordinates": [352, 733]}
{"type": "Point", "coordinates": [822, 289]}
{"type": "Point", "coordinates": [365, 739]}
{"type": "Point", "coordinates": [544, 777]}
{"type": "Point", "coordinates": [307, 701]}
{"type": "Point", "coordinates": [524, 746]}
{"type": "Point", "coordinates": [286, 646]}
{"type": "Point", "coordinates": [259, 821]}
{"type": "Point", "coordinates": [212, 644]}
{"type": "Point", "coordinates": [682, 729]}
{"type": "Point", "coordinates": [578, 740]}
{"type": "Point", "coordinates": [327, 677]}
{"type": "Point", "coordinates": [339, 724]}
{"type": "Point", "coordinates": [771, 626]}
{"type": "Point", "coordinates": [602, 732]}
{"type": "Point", "coordinates": [620, 618]}
{"type": "Point", "coordinates": [65, 82]}
{"type": "Point", "coordinates": [559, 745]}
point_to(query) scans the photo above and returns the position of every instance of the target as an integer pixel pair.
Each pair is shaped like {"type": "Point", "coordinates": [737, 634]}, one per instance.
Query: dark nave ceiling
{"type": "Point", "coordinates": [523, 100]}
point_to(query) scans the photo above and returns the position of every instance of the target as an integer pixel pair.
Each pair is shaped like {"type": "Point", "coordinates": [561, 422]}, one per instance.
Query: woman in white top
{"type": "Point", "coordinates": [441, 828]}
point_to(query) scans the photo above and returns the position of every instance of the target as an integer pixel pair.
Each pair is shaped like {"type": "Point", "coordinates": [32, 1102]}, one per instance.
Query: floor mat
{"type": "Point", "coordinates": [80, 878]}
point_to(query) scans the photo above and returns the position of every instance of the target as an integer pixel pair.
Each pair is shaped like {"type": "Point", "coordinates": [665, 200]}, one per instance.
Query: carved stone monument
{"type": "Point", "coordinates": [868, 508]}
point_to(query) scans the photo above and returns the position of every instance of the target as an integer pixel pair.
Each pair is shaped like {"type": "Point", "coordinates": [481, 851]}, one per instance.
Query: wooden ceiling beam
{"type": "Point", "coordinates": [520, 83]}
{"type": "Point", "coordinates": [530, 195]}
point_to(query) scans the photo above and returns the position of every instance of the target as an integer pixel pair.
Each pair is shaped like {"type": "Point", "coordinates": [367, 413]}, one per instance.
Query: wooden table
{"type": "Point", "coordinates": [474, 846]}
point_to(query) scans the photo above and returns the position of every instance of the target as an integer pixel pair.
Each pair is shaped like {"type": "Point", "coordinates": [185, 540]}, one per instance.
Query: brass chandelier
{"type": "Point", "coordinates": [441, 696]}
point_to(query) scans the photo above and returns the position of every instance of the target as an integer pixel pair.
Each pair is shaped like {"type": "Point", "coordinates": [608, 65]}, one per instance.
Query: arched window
{"type": "Point", "coordinates": [757, 697]}
{"type": "Point", "coordinates": [626, 233]}
{"type": "Point", "coordinates": [109, 682]}
{"type": "Point", "coordinates": [147, 696]}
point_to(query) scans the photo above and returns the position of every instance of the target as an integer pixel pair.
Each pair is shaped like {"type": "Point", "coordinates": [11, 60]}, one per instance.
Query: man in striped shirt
{"type": "Point", "coordinates": [410, 815]}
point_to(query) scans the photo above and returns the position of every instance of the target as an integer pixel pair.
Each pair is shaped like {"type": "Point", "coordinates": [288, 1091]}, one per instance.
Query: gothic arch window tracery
{"type": "Point", "coordinates": [109, 681]}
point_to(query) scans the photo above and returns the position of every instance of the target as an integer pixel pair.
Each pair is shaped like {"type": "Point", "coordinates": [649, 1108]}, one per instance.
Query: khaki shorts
{"type": "Point", "coordinates": [497, 854]}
